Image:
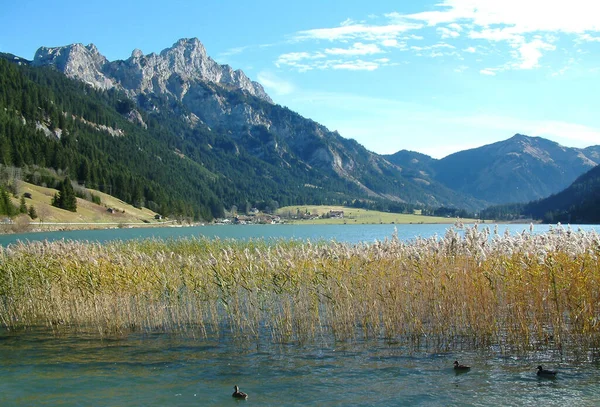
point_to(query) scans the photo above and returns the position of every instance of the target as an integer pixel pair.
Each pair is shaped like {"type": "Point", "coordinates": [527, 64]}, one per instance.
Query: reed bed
{"type": "Point", "coordinates": [472, 289]}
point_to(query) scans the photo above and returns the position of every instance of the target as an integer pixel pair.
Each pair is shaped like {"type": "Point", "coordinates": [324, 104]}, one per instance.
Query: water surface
{"type": "Point", "coordinates": [161, 370]}
{"type": "Point", "coordinates": [38, 368]}
{"type": "Point", "coordinates": [340, 233]}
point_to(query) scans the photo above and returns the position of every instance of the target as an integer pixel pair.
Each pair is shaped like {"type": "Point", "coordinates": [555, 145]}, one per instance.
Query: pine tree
{"type": "Point", "coordinates": [6, 206]}
{"type": "Point", "coordinates": [22, 205]}
{"type": "Point", "coordinates": [65, 198]}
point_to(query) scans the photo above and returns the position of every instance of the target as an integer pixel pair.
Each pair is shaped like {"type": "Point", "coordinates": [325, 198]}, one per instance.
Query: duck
{"type": "Point", "coordinates": [460, 368]}
{"type": "Point", "coordinates": [545, 373]}
{"type": "Point", "coordinates": [239, 394]}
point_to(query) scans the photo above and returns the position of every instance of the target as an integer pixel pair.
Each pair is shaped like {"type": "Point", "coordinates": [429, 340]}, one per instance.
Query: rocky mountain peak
{"type": "Point", "coordinates": [174, 71]}
{"type": "Point", "coordinates": [191, 45]}
{"type": "Point", "coordinates": [76, 61]}
{"type": "Point", "coordinates": [137, 53]}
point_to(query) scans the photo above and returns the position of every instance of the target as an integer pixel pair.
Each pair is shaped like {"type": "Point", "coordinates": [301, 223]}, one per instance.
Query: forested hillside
{"type": "Point", "coordinates": [52, 126]}
{"type": "Point", "coordinates": [579, 203]}
{"type": "Point", "coordinates": [49, 121]}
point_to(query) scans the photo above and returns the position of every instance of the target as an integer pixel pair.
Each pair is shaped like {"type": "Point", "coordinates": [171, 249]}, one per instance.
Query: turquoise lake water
{"type": "Point", "coordinates": [38, 368]}
{"type": "Point", "coordinates": [341, 233]}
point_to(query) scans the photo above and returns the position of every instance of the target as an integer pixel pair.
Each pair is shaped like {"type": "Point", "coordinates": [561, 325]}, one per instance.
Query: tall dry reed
{"type": "Point", "coordinates": [473, 290]}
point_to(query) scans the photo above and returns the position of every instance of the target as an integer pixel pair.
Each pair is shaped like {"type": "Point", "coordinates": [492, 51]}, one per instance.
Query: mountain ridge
{"type": "Point", "coordinates": [205, 102]}
{"type": "Point", "coordinates": [186, 60]}
{"type": "Point", "coordinates": [518, 169]}
{"type": "Point", "coordinates": [213, 97]}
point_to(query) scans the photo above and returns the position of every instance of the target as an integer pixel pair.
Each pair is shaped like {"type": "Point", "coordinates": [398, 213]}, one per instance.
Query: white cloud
{"type": "Point", "coordinates": [515, 22]}
{"type": "Point", "coordinates": [357, 48]}
{"type": "Point", "coordinates": [389, 43]}
{"type": "Point", "coordinates": [302, 61]}
{"type": "Point", "coordinates": [488, 71]}
{"type": "Point", "coordinates": [447, 33]}
{"type": "Point", "coordinates": [434, 46]}
{"type": "Point", "coordinates": [521, 31]}
{"type": "Point", "coordinates": [532, 52]}
{"type": "Point", "coordinates": [357, 65]}
{"type": "Point", "coordinates": [455, 27]}
{"type": "Point", "coordinates": [353, 31]}
{"type": "Point", "coordinates": [526, 16]}
{"type": "Point", "coordinates": [589, 38]}
{"type": "Point", "coordinates": [305, 61]}
{"type": "Point", "coordinates": [233, 51]}
{"type": "Point", "coordinates": [498, 34]}
{"type": "Point", "coordinates": [296, 56]}
{"type": "Point", "coordinates": [275, 84]}
{"type": "Point", "coordinates": [393, 43]}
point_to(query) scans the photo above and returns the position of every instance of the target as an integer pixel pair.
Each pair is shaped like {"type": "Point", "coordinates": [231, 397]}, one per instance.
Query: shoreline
{"type": "Point", "coordinates": [39, 227]}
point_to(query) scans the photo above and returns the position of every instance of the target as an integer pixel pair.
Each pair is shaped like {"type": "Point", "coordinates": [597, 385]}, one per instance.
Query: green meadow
{"type": "Point", "coordinates": [359, 216]}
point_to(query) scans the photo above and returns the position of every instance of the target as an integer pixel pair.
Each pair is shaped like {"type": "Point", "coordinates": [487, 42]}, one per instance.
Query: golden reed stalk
{"type": "Point", "coordinates": [474, 290]}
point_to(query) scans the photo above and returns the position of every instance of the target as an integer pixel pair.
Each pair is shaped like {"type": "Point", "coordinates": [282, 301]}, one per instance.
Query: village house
{"type": "Point", "coordinates": [336, 214]}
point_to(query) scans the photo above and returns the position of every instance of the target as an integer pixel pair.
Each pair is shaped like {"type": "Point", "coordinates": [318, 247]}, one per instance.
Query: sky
{"type": "Point", "coordinates": [429, 76]}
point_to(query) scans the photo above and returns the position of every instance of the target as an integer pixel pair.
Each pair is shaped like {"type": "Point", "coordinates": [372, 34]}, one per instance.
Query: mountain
{"type": "Point", "coordinates": [203, 102]}
{"type": "Point", "coordinates": [520, 169]}
{"type": "Point", "coordinates": [172, 71]}
{"type": "Point", "coordinates": [13, 58]}
{"type": "Point", "coordinates": [579, 203]}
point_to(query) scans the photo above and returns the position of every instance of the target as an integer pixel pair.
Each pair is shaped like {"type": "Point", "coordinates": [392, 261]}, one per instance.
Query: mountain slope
{"type": "Point", "coordinates": [579, 203]}
{"type": "Point", "coordinates": [185, 88]}
{"type": "Point", "coordinates": [519, 169]}
{"type": "Point", "coordinates": [49, 121]}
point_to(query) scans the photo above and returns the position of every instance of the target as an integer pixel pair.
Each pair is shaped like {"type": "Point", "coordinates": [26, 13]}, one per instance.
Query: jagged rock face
{"type": "Point", "coordinates": [173, 71]}
{"type": "Point", "coordinates": [76, 61]}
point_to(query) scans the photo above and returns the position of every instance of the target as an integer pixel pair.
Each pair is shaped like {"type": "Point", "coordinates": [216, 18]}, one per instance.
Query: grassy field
{"type": "Point", "coordinates": [88, 215]}
{"type": "Point", "coordinates": [361, 216]}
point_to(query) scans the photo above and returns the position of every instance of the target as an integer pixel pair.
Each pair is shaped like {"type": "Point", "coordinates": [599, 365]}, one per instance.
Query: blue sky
{"type": "Point", "coordinates": [430, 76]}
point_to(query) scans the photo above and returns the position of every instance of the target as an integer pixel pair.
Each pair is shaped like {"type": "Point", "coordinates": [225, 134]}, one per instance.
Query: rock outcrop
{"type": "Point", "coordinates": [174, 71]}
{"type": "Point", "coordinates": [76, 61]}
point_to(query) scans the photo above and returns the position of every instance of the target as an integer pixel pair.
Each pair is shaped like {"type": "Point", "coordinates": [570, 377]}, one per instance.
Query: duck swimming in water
{"type": "Point", "coordinates": [239, 394]}
{"type": "Point", "coordinates": [545, 373]}
{"type": "Point", "coordinates": [461, 368]}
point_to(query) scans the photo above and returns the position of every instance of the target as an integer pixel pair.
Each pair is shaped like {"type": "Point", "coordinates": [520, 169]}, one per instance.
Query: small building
{"type": "Point", "coordinates": [158, 217]}
{"type": "Point", "coordinates": [110, 210]}
{"type": "Point", "coordinates": [336, 214]}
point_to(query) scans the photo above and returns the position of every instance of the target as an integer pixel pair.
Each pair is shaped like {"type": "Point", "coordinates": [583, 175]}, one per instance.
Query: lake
{"type": "Point", "coordinates": [39, 368]}
{"type": "Point", "coordinates": [340, 233]}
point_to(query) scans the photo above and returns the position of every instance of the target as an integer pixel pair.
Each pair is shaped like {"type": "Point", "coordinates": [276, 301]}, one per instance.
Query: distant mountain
{"type": "Point", "coordinates": [186, 88]}
{"type": "Point", "coordinates": [520, 169]}
{"type": "Point", "coordinates": [579, 203]}
{"type": "Point", "coordinates": [13, 58]}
